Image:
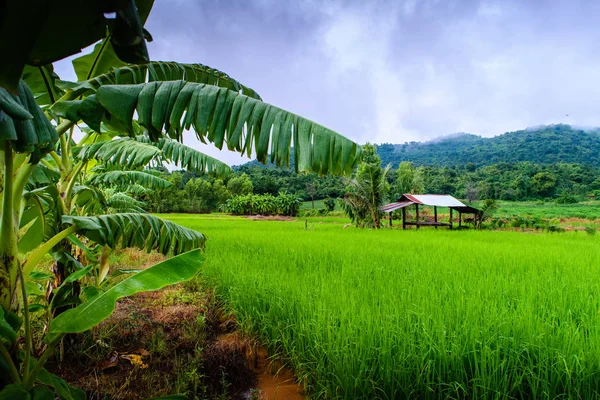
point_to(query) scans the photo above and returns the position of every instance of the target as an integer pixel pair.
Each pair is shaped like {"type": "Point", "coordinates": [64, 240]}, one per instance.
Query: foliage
{"type": "Point", "coordinates": [53, 192]}
{"type": "Point", "coordinates": [408, 179]}
{"type": "Point", "coordinates": [240, 185]}
{"type": "Point", "coordinates": [266, 204]}
{"type": "Point", "coordinates": [487, 209]}
{"type": "Point", "coordinates": [217, 115]}
{"type": "Point", "coordinates": [566, 198]}
{"type": "Point", "coordinates": [98, 308]}
{"type": "Point", "coordinates": [503, 181]}
{"type": "Point", "coordinates": [329, 204]}
{"type": "Point", "coordinates": [367, 191]}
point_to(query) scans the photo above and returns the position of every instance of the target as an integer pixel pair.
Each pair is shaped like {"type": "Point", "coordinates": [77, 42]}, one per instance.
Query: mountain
{"type": "Point", "coordinates": [540, 145]}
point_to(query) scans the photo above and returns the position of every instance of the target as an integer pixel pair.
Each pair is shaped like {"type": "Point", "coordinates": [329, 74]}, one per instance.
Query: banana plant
{"type": "Point", "coordinates": [46, 174]}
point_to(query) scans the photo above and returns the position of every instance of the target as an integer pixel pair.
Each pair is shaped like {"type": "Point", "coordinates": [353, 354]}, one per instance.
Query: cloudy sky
{"type": "Point", "coordinates": [397, 71]}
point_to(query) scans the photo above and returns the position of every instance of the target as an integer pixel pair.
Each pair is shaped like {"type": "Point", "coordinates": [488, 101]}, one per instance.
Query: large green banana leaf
{"type": "Point", "coordinates": [155, 71]}
{"type": "Point", "coordinates": [94, 311]}
{"type": "Point", "coordinates": [220, 116]}
{"type": "Point", "coordinates": [139, 152]}
{"type": "Point", "coordinates": [124, 203]}
{"type": "Point", "coordinates": [123, 151]}
{"type": "Point", "coordinates": [31, 32]}
{"type": "Point", "coordinates": [188, 158]}
{"type": "Point", "coordinates": [142, 231]}
{"type": "Point", "coordinates": [42, 82]}
{"type": "Point", "coordinates": [103, 57]}
{"type": "Point", "coordinates": [124, 178]}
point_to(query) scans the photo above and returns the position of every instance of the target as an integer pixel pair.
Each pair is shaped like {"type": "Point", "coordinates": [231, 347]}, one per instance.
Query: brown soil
{"type": "Point", "coordinates": [175, 340]}
{"type": "Point", "coordinates": [269, 218]}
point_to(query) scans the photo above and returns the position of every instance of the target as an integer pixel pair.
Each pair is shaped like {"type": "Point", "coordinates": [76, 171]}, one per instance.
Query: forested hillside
{"type": "Point", "coordinates": [553, 162]}
{"type": "Point", "coordinates": [544, 145]}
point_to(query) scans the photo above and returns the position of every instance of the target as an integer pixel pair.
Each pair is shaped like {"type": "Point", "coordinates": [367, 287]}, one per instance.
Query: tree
{"type": "Point", "coordinates": [311, 189]}
{"type": "Point", "coordinates": [367, 191]}
{"type": "Point", "coordinates": [156, 101]}
{"type": "Point", "coordinates": [329, 204]}
{"type": "Point", "coordinates": [544, 183]}
{"type": "Point", "coordinates": [405, 178]}
{"type": "Point", "coordinates": [470, 192]}
{"type": "Point", "coordinates": [240, 185]}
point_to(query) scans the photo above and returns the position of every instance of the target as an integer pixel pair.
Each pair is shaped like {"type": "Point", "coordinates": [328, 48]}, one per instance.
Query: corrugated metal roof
{"type": "Point", "coordinates": [395, 206]}
{"type": "Point", "coordinates": [440, 200]}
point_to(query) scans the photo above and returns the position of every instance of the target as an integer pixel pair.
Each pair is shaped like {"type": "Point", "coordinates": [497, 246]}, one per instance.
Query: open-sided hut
{"type": "Point", "coordinates": [435, 201]}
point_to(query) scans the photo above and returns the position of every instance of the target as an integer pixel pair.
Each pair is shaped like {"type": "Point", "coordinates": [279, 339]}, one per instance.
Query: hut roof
{"type": "Point", "coordinates": [438, 200]}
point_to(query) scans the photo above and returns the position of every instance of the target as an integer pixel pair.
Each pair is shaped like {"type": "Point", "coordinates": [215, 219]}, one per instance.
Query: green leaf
{"type": "Point", "coordinates": [35, 232]}
{"type": "Point", "coordinates": [63, 389]}
{"type": "Point", "coordinates": [125, 152]}
{"type": "Point", "coordinates": [64, 296]}
{"type": "Point", "coordinates": [42, 393]}
{"type": "Point", "coordinates": [34, 289]}
{"type": "Point", "coordinates": [120, 272]}
{"type": "Point", "coordinates": [103, 56]}
{"type": "Point", "coordinates": [91, 313]}
{"type": "Point", "coordinates": [35, 307]}
{"type": "Point", "coordinates": [96, 75]}
{"type": "Point", "coordinates": [124, 178]}
{"type": "Point", "coordinates": [222, 116]}
{"type": "Point", "coordinates": [42, 82]}
{"type": "Point", "coordinates": [79, 274]}
{"type": "Point", "coordinates": [14, 392]}
{"type": "Point", "coordinates": [123, 203]}
{"type": "Point", "coordinates": [40, 276]}
{"type": "Point", "coordinates": [99, 61]}
{"type": "Point", "coordinates": [7, 332]}
{"type": "Point", "coordinates": [142, 231]}
{"type": "Point", "coordinates": [31, 32]}
{"type": "Point", "coordinates": [90, 198]}
{"type": "Point", "coordinates": [188, 158]}
{"type": "Point", "coordinates": [88, 252]}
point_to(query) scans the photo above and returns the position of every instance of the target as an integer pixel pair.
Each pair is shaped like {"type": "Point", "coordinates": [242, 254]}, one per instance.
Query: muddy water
{"type": "Point", "coordinates": [273, 381]}
{"type": "Point", "coordinates": [280, 385]}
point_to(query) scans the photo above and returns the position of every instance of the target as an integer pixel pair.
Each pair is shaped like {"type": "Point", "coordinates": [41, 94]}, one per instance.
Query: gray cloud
{"type": "Point", "coordinates": [395, 71]}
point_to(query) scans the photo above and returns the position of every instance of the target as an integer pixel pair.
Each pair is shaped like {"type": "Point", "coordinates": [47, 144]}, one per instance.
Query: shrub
{"type": "Point", "coordinates": [266, 204]}
{"type": "Point", "coordinates": [329, 204]}
{"type": "Point", "coordinates": [566, 198]}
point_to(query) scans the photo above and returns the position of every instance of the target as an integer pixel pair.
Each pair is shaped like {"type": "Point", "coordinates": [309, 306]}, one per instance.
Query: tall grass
{"type": "Point", "coordinates": [415, 314]}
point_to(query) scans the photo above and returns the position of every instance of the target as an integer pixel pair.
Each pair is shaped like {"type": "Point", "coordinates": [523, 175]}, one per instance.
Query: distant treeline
{"type": "Point", "coordinates": [503, 181]}
{"type": "Point", "coordinates": [550, 162]}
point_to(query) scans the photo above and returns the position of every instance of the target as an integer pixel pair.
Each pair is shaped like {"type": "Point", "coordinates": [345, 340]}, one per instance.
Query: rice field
{"type": "Point", "coordinates": [414, 314]}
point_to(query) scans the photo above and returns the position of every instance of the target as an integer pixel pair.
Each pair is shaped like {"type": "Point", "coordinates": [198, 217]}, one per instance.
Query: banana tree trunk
{"type": "Point", "coordinates": [8, 234]}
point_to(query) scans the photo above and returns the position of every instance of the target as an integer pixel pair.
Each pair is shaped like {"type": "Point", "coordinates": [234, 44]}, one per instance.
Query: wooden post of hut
{"type": "Point", "coordinates": [391, 219]}
{"type": "Point", "coordinates": [403, 218]}
{"type": "Point", "coordinates": [459, 219]}
{"type": "Point", "coordinates": [417, 215]}
{"type": "Point", "coordinates": [435, 215]}
{"type": "Point", "coordinates": [450, 219]}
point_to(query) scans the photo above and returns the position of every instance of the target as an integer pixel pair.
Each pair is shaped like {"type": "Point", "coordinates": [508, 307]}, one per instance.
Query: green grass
{"type": "Point", "coordinates": [550, 210]}
{"type": "Point", "coordinates": [307, 205]}
{"type": "Point", "coordinates": [415, 314]}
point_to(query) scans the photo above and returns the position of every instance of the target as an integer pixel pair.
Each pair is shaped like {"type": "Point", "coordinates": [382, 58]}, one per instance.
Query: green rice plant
{"type": "Point", "coordinates": [415, 314]}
